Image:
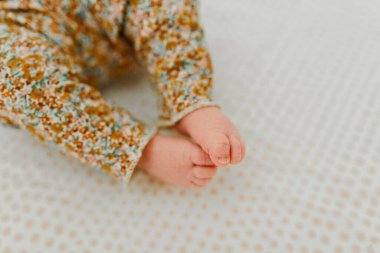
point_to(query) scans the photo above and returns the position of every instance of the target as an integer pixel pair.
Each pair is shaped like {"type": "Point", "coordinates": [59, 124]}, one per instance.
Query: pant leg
{"type": "Point", "coordinates": [168, 39]}
{"type": "Point", "coordinates": [40, 93]}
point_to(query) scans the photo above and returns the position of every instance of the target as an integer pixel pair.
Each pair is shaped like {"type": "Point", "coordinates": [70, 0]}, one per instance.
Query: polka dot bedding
{"type": "Point", "coordinates": [300, 80]}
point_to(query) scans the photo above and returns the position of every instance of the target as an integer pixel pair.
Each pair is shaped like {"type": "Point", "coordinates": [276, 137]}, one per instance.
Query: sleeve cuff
{"type": "Point", "coordinates": [150, 133]}
{"type": "Point", "coordinates": [125, 163]}
{"type": "Point", "coordinates": [175, 117]}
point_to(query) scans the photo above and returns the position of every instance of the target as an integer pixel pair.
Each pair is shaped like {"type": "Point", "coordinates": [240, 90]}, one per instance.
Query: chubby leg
{"type": "Point", "coordinates": [169, 40]}
{"type": "Point", "coordinates": [40, 92]}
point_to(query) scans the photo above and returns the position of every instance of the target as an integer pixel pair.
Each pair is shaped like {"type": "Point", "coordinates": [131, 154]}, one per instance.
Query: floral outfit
{"type": "Point", "coordinates": [54, 53]}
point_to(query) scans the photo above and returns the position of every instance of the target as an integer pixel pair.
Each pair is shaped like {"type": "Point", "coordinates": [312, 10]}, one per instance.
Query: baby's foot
{"type": "Point", "coordinates": [215, 133]}
{"type": "Point", "coordinates": [177, 161]}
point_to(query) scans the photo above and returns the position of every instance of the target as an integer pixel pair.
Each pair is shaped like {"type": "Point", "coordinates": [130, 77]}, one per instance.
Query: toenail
{"type": "Point", "coordinates": [223, 159]}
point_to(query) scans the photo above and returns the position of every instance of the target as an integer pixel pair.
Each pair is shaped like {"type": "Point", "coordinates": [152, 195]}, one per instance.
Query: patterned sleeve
{"type": "Point", "coordinates": [169, 41]}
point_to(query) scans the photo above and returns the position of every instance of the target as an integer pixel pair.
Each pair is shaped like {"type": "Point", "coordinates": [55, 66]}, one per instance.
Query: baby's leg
{"type": "Point", "coordinates": [40, 92]}
{"type": "Point", "coordinates": [169, 40]}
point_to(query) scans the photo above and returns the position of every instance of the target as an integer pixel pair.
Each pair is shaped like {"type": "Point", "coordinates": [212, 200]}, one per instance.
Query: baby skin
{"type": "Point", "coordinates": [181, 162]}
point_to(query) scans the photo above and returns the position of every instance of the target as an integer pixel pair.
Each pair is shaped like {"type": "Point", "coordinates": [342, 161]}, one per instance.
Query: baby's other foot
{"type": "Point", "coordinates": [215, 133]}
{"type": "Point", "coordinates": [177, 161]}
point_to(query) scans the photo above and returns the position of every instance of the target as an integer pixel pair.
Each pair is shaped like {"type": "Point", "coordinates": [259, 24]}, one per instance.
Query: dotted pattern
{"type": "Point", "coordinates": [300, 79]}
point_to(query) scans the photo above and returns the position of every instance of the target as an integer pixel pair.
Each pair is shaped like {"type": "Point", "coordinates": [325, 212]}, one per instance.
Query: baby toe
{"type": "Point", "coordinates": [198, 183]}
{"type": "Point", "coordinates": [219, 149]}
{"type": "Point", "coordinates": [204, 172]}
{"type": "Point", "coordinates": [199, 157]}
{"type": "Point", "coordinates": [242, 149]}
{"type": "Point", "coordinates": [236, 150]}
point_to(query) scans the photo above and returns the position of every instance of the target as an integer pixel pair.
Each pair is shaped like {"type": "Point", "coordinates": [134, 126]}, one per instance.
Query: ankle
{"type": "Point", "coordinates": [195, 119]}
{"type": "Point", "coordinates": [186, 122]}
{"type": "Point", "coordinates": [148, 151]}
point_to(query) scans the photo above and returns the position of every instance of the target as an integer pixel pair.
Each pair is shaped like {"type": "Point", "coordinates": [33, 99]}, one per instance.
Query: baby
{"type": "Point", "coordinates": [55, 53]}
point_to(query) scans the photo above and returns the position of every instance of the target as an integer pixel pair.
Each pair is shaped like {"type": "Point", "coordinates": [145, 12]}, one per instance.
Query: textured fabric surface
{"type": "Point", "coordinates": [301, 80]}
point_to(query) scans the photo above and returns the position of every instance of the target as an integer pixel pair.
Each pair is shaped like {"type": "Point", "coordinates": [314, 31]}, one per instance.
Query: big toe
{"type": "Point", "coordinates": [203, 172]}
{"type": "Point", "coordinates": [237, 149]}
{"type": "Point", "coordinates": [218, 147]}
{"type": "Point", "coordinates": [201, 176]}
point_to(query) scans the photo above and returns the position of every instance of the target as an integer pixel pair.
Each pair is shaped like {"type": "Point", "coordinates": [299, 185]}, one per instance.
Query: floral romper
{"type": "Point", "coordinates": [54, 53]}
